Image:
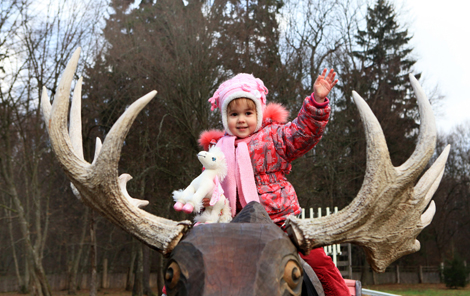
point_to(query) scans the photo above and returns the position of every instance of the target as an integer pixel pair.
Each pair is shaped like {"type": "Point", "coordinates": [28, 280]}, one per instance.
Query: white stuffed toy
{"type": "Point", "coordinates": [207, 184]}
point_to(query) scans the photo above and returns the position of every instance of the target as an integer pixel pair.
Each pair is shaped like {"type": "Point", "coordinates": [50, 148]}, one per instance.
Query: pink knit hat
{"type": "Point", "coordinates": [241, 86]}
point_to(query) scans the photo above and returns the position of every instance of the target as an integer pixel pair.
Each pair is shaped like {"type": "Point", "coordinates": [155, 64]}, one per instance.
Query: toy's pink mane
{"type": "Point", "coordinates": [274, 112]}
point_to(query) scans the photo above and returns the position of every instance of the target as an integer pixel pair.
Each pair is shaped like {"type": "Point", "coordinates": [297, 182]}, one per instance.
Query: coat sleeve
{"type": "Point", "coordinates": [299, 136]}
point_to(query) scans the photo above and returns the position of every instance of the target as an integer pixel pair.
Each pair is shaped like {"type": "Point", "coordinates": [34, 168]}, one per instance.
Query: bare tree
{"type": "Point", "coordinates": [311, 36]}
{"type": "Point", "coordinates": [37, 49]}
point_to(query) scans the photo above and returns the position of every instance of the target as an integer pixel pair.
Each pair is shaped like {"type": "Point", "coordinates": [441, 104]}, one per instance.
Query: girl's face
{"type": "Point", "coordinates": [241, 118]}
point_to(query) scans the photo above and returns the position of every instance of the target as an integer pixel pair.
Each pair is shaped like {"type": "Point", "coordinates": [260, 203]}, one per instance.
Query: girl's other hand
{"type": "Point", "coordinates": [206, 202]}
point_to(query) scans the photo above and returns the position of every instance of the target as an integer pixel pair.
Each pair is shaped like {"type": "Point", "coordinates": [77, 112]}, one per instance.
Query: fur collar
{"type": "Point", "coordinates": [274, 113]}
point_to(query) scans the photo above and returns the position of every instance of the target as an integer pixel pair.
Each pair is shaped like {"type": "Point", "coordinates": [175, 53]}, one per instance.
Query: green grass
{"type": "Point", "coordinates": [430, 292]}
{"type": "Point", "coordinates": [421, 290]}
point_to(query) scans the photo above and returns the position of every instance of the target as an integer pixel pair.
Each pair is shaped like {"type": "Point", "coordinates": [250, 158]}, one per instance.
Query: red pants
{"type": "Point", "coordinates": [329, 276]}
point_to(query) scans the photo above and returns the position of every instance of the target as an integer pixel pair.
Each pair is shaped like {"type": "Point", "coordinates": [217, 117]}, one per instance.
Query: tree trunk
{"type": "Point", "coordinates": [38, 279]}
{"type": "Point", "coordinates": [82, 269]}
{"type": "Point", "coordinates": [397, 272]}
{"type": "Point", "coordinates": [27, 276]}
{"type": "Point", "coordinates": [146, 271]}
{"type": "Point", "coordinates": [40, 285]}
{"type": "Point", "coordinates": [138, 281]}
{"type": "Point", "coordinates": [76, 262]}
{"type": "Point", "coordinates": [366, 276]}
{"type": "Point", "coordinates": [93, 256]}
{"type": "Point", "coordinates": [104, 277]}
{"type": "Point", "coordinates": [160, 282]}
{"type": "Point", "coordinates": [21, 284]}
{"type": "Point", "coordinates": [130, 274]}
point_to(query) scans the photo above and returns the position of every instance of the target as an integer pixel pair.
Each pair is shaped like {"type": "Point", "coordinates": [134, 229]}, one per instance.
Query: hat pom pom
{"type": "Point", "coordinates": [214, 101]}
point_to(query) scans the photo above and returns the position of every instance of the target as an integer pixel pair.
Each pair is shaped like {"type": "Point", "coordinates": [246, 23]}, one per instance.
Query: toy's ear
{"type": "Point", "coordinates": [217, 152]}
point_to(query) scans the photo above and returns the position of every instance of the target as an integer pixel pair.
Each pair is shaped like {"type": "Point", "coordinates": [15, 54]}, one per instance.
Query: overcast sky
{"type": "Point", "coordinates": [441, 41]}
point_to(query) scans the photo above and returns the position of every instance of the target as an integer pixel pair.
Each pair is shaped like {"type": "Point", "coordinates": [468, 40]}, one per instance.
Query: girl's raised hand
{"type": "Point", "coordinates": [323, 85]}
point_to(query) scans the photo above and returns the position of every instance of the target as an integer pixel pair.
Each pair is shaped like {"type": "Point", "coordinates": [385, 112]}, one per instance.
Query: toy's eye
{"type": "Point", "coordinates": [214, 159]}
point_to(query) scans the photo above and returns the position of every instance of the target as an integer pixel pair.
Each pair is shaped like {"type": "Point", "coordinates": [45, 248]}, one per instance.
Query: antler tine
{"type": "Point", "coordinates": [309, 234]}
{"type": "Point", "coordinates": [98, 183]}
{"type": "Point", "coordinates": [57, 128]}
{"type": "Point", "coordinates": [387, 214]}
{"type": "Point", "coordinates": [75, 126]}
{"type": "Point", "coordinates": [377, 150]}
{"type": "Point", "coordinates": [108, 158]}
{"type": "Point", "coordinates": [427, 133]}
{"type": "Point", "coordinates": [45, 106]}
{"type": "Point", "coordinates": [98, 146]}
{"type": "Point", "coordinates": [429, 182]}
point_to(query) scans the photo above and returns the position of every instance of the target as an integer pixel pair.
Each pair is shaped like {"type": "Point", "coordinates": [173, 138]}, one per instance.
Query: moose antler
{"type": "Point", "coordinates": [98, 182]}
{"type": "Point", "coordinates": [387, 214]}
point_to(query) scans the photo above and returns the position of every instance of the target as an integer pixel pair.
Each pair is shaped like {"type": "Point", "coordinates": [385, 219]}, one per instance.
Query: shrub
{"type": "Point", "coordinates": [455, 273]}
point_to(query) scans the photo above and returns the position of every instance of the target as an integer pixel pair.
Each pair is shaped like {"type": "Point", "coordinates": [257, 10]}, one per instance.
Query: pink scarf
{"type": "Point", "coordinates": [240, 173]}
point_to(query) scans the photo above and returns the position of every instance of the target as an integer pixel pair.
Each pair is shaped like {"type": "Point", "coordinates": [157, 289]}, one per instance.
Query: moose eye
{"type": "Point", "coordinates": [214, 159]}
{"type": "Point", "coordinates": [172, 275]}
{"type": "Point", "coordinates": [292, 274]}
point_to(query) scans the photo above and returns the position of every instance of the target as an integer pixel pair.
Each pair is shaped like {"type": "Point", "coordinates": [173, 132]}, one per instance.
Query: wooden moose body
{"type": "Point", "coordinates": [390, 210]}
{"type": "Point", "coordinates": [249, 256]}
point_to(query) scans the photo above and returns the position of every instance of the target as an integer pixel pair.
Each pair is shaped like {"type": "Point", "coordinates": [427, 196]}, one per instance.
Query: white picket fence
{"type": "Point", "coordinates": [333, 250]}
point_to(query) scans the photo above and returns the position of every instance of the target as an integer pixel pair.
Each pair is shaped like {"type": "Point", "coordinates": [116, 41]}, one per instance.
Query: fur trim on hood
{"type": "Point", "coordinates": [207, 136]}
{"type": "Point", "coordinates": [274, 112]}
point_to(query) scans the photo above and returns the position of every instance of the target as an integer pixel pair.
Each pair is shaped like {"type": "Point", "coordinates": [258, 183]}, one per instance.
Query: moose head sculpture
{"type": "Point", "coordinates": [389, 212]}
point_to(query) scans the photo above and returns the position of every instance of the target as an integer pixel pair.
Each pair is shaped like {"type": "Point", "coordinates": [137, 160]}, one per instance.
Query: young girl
{"type": "Point", "coordinates": [259, 147]}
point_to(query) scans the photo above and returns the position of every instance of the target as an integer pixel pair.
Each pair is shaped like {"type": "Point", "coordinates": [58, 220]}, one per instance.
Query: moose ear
{"type": "Point", "coordinates": [253, 212]}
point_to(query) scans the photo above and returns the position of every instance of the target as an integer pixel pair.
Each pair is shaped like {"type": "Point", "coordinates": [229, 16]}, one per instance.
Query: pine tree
{"type": "Point", "coordinates": [385, 62]}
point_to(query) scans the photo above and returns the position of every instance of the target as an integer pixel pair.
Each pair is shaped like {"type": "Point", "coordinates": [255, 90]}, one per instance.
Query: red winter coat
{"type": "Point", "coordinates": [275, 146]}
